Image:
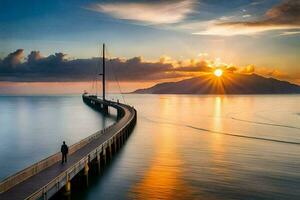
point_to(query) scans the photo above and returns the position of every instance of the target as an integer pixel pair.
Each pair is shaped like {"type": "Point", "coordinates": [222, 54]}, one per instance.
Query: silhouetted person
{"type": "Point", "coordinates": [64, 151]}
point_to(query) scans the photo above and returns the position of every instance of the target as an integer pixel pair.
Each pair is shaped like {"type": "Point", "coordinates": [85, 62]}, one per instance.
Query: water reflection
{"type": "Point", "coordinates": [166, 159]}
{"type": "Point", "coordinates": [35, 126]}
{"type": "Point", "coordinates": [217, 118]}
{"type": "Point", "coordinates": [163, 179]}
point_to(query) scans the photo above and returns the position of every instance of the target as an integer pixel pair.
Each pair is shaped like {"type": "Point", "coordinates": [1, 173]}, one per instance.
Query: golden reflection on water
{"type": "Point", "coordinates": [163, 179]}
{"type": "Point", "coordinates": [165, 159]}
{"type": "Point", "coordinates": [217, 125]}
{"type": "Point", "coordinates": [218, 149]}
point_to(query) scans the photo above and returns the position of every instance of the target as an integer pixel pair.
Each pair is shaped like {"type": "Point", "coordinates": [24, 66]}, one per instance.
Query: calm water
{"type": "Point", "coordinates": [184, 147]}
{"type": "Point", "coordinates": [33, 128]}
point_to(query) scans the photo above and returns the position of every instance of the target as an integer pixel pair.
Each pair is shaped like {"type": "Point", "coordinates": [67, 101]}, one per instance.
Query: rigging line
{"type": "Point", "coordinates": [98, 65]}
{"type": "Point", "coordinates": [98, 71]}
{"type": "Point", "coordinates": [93, 84]}
{"type": "Point", "coordinates": [94, 77]}
{"type": "Point", "coordinates": [108, 74]}
{"type": "Point", "coordinates": [91, 87]}
{"type": "Point", "coordinates": [116, 78]}
{"type": "Point", "coordinates": [119, 88]}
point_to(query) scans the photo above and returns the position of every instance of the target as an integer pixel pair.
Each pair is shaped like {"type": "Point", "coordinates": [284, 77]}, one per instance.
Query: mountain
{"type": "Point", "coordinates": [227, 84]}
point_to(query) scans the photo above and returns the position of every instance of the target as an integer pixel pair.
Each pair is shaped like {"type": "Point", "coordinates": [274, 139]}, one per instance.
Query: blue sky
{"type": "Point", "coordinates": [263, 33]}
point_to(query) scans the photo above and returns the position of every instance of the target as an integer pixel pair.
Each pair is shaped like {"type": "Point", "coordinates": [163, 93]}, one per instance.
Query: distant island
{"type": "Point", "coordinates": [229, 84]}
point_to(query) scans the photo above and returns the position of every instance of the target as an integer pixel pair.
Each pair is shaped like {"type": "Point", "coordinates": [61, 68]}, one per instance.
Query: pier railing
{"type": "Point", "coordinates": [26, 173]}
{"type": "Point", "coordinates": [34, 169]}
{"type": "Point", "coordinates": [61, 179]}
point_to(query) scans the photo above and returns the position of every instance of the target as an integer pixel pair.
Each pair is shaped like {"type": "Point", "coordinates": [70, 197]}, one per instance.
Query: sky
{"type": "Point", "coordinates": [45, 44]}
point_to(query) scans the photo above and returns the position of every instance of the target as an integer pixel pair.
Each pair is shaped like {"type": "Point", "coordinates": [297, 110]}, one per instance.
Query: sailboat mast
{"type": "Point", "coordinates": [103, 76]}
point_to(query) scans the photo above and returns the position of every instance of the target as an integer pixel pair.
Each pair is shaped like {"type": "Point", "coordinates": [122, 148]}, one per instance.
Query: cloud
{"type": "Point", "coordinates": [273, 73]}
{"type": "Point", "coordinates": [287, 33]}
{"type": "Point", "coordinates": [235, 29]}
{"type": "Point", "coordinates": [194, 66]}
{"type": "Point", "coordinates": [34, 56]}
{"type": "Point", "coordinates": [288, 12]}
{"type": "Point", "coordinates": [135, 69]}
{"type": "Point", "coordinates": [247, 70]}
{"type": "Point", "coordinates": [254, 3]}
{"type": "Point", "coordinates": [161, 12]}
{"type": "Point", "coordinates": [267, 72]}
{"type": "Point", "coordinates": [283, 16]}
{"type": "Point", "coordinates": [247, 15]}
{"type": "Point", "coordinates": [13, 59]}
{"type": "Point", "coordinates": [58, 68]}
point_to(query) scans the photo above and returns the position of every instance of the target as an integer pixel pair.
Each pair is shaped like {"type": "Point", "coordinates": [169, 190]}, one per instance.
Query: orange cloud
{"type": "Point", "coordinates": [247, 70]}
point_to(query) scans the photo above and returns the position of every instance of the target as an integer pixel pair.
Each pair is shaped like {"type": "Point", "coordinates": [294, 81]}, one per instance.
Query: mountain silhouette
{"type": "Point", "coordinates": [230, 83]}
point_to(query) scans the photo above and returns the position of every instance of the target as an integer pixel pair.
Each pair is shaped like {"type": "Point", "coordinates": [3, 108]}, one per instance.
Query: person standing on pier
{"type": "Point", "coordinates": [64, 151]}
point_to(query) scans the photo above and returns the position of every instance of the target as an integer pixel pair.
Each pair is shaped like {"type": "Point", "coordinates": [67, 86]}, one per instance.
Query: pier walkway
{"type": "Point", "coordinates": [45, 178]}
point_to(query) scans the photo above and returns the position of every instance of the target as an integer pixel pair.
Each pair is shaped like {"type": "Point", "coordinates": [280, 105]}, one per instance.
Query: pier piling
{"type": "Point", "coordinates": [47, 177]}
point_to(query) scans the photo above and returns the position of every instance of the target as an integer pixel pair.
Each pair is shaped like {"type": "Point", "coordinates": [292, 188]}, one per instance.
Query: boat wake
{"type": "Point", "coordinates": [243, 136]}
{"type": "Point", "coordinates": [264, 123]}
{"type": "Point", "coordinates": [223, 133]}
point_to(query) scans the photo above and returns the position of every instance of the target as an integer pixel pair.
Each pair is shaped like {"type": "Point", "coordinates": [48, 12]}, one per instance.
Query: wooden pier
{"type": "Point", "coordinates": [44, 179]}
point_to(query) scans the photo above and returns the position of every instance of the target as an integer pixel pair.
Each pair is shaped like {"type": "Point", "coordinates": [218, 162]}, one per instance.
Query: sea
{"type": "Point", "coordinates": [183, 146]}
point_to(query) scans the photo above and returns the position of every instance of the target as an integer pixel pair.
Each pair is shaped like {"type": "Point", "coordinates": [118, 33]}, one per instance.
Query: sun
{"type": "Point", "coordinates": [218, 72]}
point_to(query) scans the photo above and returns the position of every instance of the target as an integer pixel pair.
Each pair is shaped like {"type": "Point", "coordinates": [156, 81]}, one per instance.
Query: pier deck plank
{"type": "Point", "coordinates": [34, 183]}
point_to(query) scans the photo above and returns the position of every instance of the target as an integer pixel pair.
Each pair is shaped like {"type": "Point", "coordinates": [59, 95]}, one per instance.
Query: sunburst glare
{"type": "Point", "coordinates": [218, 72]}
